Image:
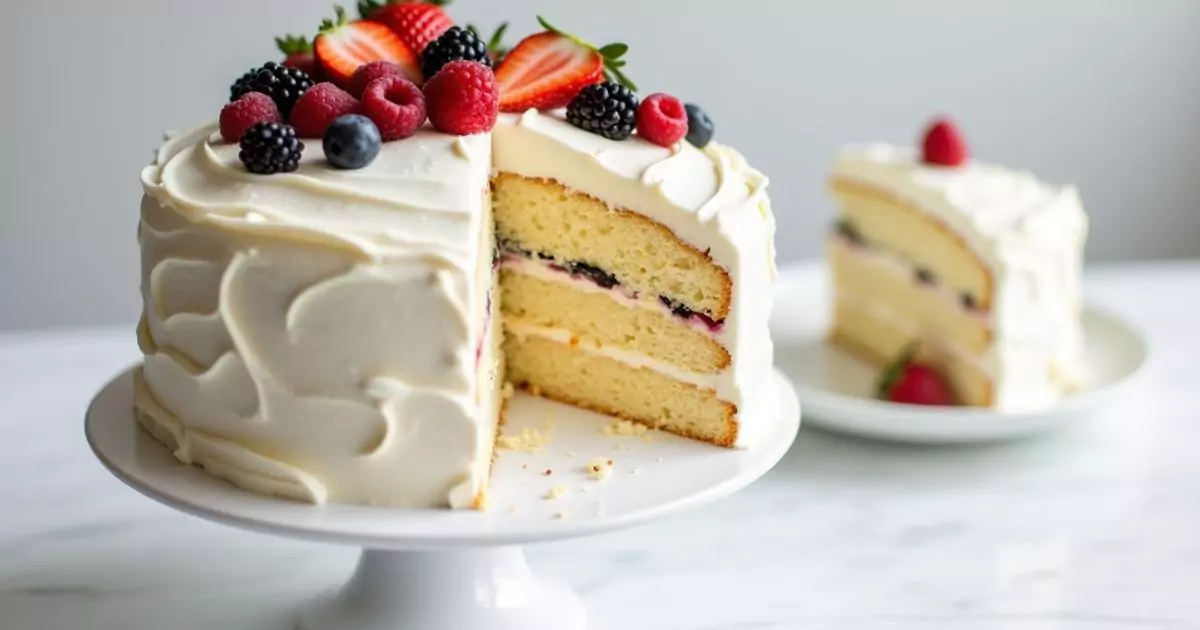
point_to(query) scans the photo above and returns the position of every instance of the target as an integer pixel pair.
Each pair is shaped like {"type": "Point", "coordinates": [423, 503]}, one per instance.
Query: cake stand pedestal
{"type": "Point", "coordinates": [464, 570]}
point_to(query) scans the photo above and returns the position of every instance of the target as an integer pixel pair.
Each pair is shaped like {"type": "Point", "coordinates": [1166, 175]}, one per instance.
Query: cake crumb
{"type": "Point", "coordinates": [548, 472]}
{"type": "Point", "coordinates": [485, 502]}
{"type": "Point", "coordinates": [529, 439]}
{"type": "Point", "coordinates": [625, 428]}
{"type": "Point", "coordinates": [524, 466]}
{"type": "Point", "coordinates": [658, 460]}
{"type": "Point", "coordinates": [556, 492]}
{"type": "Point", "coordinates": [599, 468]}
{"type": "Point", "coordinates": [562, 516]}
{"type": "Point", "coordinates": [535, 390]}
{"type": "Point", "coordinates": [508, 390]}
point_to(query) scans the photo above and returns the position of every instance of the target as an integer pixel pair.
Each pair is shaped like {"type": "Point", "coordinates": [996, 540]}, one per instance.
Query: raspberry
{"type": "Point", "coordinates": [395, 105]}
{"type": "Point", "coordinates": [322, 104]}
{"type": "Point", "coordinates": [662, 119]}
{"type": "Point", "coordinates": [943, 144]}
{"type": "Point", "coordinates": [371, 71]}
{"type": "Point", "coordinates": [239, 116]}
{"type": "Point", "coordinates": [463, 98]}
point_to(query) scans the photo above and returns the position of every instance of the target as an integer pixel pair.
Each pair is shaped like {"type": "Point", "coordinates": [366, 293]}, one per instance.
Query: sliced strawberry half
{"type": "Point", "coordinates": [343, 46]}
{"type": "Point", "coordinates": [417, 23]}
{"type": "Point", "coordinates": [547, 70]}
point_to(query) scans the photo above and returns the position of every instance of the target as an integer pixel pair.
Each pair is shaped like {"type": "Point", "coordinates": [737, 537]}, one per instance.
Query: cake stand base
{"type": "Point", "coordinates": [463, 569]}
{"type": "Point", "coordinates": [472, 589]}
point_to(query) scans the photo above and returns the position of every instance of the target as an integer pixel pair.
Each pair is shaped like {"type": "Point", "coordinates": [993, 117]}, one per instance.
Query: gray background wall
{"type": "Point", "coordinates": [1103, 93]}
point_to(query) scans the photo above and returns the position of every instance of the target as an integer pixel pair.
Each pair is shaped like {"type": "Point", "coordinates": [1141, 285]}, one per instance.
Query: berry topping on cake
{"type": "Point", "coordinates": [417, 23]}
{"type": "Point", "coordinates": [352, 142]}
{"type": "Point", "coordinates": [906, 381]}
{"type": "Point", "coordinates": [662, 119]}
{"type": "Point", "coordinates": [284, 85]}
{"type": "Point", "coordinates": [271, 147]}
{"type": "Point", "coordinates": [463, 98]}
{"type": "Point", "coordinates": [322, 104]}
{"type": "Point", "coordinates": [700, 127]}
{"type": "Point", "coordinates": [396, 105]}
{"type": "Point", "coordinates": [244, 113]}
{"type": "Point", "coordinates": [371, 71]}
{"type": "Point", "coordinates": [607, 109]}
{"type": "Point", "coordinates": [548, 70]}
{"type": "Point", "coordinates": [495, 44]}
{"type": "Point", "coordinates": [453, 45]}
{"type": "Point", "coordinates": [298, 53]}
{"type": "Point", "coordinates": [343, 46]}
{"type": "Point", "coordinates": [943, 144]}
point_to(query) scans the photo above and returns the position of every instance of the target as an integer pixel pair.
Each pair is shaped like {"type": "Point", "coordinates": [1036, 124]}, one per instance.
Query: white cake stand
{"type": "Point", "coordinates": [455, 570]}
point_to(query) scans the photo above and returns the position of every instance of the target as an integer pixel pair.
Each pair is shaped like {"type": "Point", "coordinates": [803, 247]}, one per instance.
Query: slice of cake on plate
{"type": "Point", "coordinates": [342, 274]}
{"type": "Point", "coordinates": [975, 266]}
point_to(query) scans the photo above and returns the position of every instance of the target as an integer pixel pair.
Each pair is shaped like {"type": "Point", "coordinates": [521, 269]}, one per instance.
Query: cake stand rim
{"type": "Point", "coordinates": [105, 413]}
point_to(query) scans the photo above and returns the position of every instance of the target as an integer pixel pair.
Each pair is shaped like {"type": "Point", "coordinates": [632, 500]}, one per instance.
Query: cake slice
{"type": "Point", "coordinates": [637, 284]}
{"type": "Point", "coordinates": [977, 264]}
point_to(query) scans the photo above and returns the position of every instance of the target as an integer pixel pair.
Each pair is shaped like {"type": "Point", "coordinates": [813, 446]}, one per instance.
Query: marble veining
{"type": "Point", "coordinates": [1096, 527]}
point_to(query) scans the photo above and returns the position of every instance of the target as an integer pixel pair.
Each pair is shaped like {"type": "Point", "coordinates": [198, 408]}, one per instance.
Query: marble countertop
{"type": "Point", "coordinates": [1096, 526]}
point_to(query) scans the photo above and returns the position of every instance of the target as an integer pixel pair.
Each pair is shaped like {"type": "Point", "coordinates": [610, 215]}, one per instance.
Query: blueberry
{"type": "Point", "coordinates": [352, 141]}
{"type": "Point", "coordinates": [595, 274]}
{"type": "Point", "coordinates": [700, 126]}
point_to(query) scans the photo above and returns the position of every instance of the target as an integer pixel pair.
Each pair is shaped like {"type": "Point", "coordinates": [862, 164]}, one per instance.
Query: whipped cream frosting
{"type": "Point", "coordinates": [314, 334]}
{"type": "Point", "coordinates": [711, 199]}
{"type": "Point", "coordinates": [320, 325]}
{"type": "Point", "coordinates": [1031, 236]}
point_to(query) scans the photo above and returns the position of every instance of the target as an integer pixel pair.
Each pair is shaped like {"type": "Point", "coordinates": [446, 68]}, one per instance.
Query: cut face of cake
{"type": "Point", "coordinates": [346, 333]}
{"type": "Point", "coordinates": [976, 263]}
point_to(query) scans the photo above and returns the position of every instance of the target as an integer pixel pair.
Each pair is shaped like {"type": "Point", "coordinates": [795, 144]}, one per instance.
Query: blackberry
{"type": "Point", "coordinates": [270, 147]}
{"type": "Point", "coordinates": [456, 43]}
{"type": "Point", "coordinates": [607, 109]}
{"type": "Point", "coordinates": [285, 85]}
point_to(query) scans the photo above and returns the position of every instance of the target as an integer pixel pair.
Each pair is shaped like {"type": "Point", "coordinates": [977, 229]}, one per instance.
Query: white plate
{"type": "Point", "coordinates": [837, 389]}
{"type": "Point", "coordinates": [652, 476]}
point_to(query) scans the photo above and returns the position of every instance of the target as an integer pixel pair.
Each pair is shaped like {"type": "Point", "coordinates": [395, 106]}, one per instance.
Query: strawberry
{"type": "Point", "coordinates": [298, 54]}
{"type": "Point", "coordinates": [417, 23]}
{"type": "Point", "coordinates": [943, 144]}
{"type": "Point", "coordinates": [343, 46]}
{"type": "Point", "coordinates": [547, 70]}
{"type": "Point", "coordinates": [908, 382]}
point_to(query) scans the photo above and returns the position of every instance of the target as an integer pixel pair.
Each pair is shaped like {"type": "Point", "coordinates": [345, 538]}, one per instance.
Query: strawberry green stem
{"type": "Point", "coordinates": [894, 370]}
{"type": "Point", "coordinates": [611, 54]}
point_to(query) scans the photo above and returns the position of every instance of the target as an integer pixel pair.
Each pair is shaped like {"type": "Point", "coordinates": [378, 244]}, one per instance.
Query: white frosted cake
{"type": "Point", "coordinates": [976, 265]}
{"type": "Point", "coordinates": [340, 325]}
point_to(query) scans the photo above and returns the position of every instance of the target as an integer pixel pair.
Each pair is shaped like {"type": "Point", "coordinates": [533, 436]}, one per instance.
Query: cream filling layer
{"type": "Point", "coordinates": [634, 360]}
{"type": "Point", "coordinates": [858, 301]}
{"type": "Point", "coordinates": [543, 270]}
{"type": "Point", "coordinates": [895, 265]}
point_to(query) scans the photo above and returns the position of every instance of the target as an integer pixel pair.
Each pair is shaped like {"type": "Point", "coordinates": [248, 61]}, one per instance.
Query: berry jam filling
{"type": "Point", "coordinates": [847, 230]}
{"type": "Point", "coordinates": [606, 280]}
{"type": "Point", "coordinates": [680, 310]}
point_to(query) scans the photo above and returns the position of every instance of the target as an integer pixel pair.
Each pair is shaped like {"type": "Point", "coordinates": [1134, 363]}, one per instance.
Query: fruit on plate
{"type": "Point", "coordinates": [909, 382]}
{"type": "Point", "coordinates": [547, 70]}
